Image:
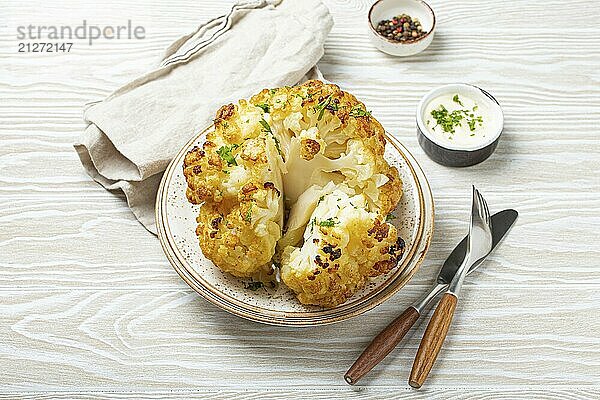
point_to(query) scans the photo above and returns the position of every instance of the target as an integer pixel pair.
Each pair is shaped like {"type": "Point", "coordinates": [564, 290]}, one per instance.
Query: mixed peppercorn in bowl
{"type": "Point", "coordinates": [401, 27]}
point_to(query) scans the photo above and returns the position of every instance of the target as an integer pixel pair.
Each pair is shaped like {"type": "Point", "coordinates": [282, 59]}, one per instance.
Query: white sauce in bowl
{"type": "Point", "coordinates": [456, 119]}
{"type": "Point", "coordinates": [460, 117]}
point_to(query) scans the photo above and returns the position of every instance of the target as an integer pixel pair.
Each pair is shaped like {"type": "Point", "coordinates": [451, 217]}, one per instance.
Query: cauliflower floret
{"type": "Point", "coordinates": [236, 176]}
{"type": "Point", "coordinates": [239, 236]}
{"type": "Point", "coordinates": [306, 163]}
{"type": "Point", "coordinates": [344, 244]}
{"type": "Point", "coordinates": [233, 155]}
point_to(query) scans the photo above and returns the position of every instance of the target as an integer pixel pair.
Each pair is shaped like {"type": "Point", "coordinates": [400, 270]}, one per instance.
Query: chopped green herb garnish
{"type": "Point", "coordinates": [329, 222]}
{"type": "Point", "coordinates": [389, 217]}
{"type": "Point", "coordinates": [448, 121]}
{"type": "Point", "coordinates": [248, 216]}
{"type": "Point", "coordinates": [267, 128]}
{"type": "Point", "coordinates": [272, 91]}
{"type": "Point", "coordinates": [320, 199]}
{"type": "Point", "coordinates": [457, 100]}
{"type": "Point", "coordinates": [321, 114]}
{"type": "Point", "coordinates": [321, 107]}
{"type": "Point", "coordinates": [473, 121]}
{"type": "Point", "coordinates": [358, 111]}
{"type": "Point", "coordinates": [225, 153]}
{"type": "Point", "coordinates": [472, 124]}
{"type": "Point", "coordinates": [266, 125]}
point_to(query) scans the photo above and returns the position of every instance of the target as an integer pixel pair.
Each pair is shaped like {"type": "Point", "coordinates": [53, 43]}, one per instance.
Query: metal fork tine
{"type": "Point", "coordinates": [475, 205]}
{"type": "Point", "coordinates": [481, 206]}
{"type": "Point", "coordinates": [487, 211]}
{"type": "Point", "coordinates": [484, 208]}
{"type": "Point", "coordinates": [477, 201]}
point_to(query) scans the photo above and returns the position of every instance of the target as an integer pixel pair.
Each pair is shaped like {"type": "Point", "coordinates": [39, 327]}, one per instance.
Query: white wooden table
{"type": "Point", "coordinates": [90, 307]}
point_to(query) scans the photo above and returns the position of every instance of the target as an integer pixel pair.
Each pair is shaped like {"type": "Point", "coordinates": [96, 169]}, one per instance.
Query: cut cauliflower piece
{"type": "Point", "coordinates": [236, 176]}
{"type": "Point", "coordinates": [306, 164]}
{"type": "Point", "coordinates": [344, 245]}
{"type": "Point", "coordinates": [300, 214]}
{"type": "Point", "coordinates": [239, 236]}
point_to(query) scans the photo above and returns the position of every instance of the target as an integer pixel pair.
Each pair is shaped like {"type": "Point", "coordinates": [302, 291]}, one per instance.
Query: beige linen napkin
{"type": "Point", "coordinates": [134, 133]}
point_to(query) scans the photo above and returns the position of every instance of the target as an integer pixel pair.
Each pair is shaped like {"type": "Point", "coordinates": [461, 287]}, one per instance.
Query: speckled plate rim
{"type": "Point", "coordinates": [309, 318]}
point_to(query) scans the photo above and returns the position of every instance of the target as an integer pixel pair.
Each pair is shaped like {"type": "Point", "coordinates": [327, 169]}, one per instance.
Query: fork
{"type": "Point", "coordinates": [478, 246]}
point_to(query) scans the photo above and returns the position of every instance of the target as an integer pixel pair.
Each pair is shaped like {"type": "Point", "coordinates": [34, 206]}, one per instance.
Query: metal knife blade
{"type": "Point", "coordinates": [501, 224]}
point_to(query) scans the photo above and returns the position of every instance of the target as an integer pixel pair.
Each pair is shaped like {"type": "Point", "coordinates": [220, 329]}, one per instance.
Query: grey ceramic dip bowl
{"type": "Point", "coordinates": [455, 155]}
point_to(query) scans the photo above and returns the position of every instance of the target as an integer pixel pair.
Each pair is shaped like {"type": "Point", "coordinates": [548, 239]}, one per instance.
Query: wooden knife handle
{"type": "Point", "coordinates": [432, 341]}
{"type": "Point", "coordinates": [382, 345]}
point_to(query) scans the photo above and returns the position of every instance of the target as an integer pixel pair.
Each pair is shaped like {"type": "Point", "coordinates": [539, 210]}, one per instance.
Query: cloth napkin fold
{"type": "Point", "coordinates": [133, 134]}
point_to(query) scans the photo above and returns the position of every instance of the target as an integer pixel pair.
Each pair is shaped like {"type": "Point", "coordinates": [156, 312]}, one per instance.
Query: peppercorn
{"type": "Point", "coordinates": [401, 28]}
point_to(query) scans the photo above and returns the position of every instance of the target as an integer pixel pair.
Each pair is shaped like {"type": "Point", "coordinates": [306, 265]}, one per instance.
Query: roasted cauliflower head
{"type": "Point", "coordinates": [312, 153]}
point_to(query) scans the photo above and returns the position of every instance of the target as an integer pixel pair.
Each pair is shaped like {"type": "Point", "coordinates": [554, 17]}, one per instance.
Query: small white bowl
{"type": "Point", "coordinates": [386, 9]}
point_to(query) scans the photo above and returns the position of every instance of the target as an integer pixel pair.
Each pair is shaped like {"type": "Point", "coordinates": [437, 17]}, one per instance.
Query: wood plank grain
{"type": "Point", "coordinates": [79, 322]}
{"type": "Point", "coordinates": [322, 394]}
{"type": "Point", "coordinates": [128, 339]}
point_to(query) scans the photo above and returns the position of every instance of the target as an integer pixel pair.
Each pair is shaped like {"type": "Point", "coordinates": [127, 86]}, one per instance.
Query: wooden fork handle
{"type": "Point", "coordinates": [382, 345]}
{"type": "Point", "coordinates": [432, 341]}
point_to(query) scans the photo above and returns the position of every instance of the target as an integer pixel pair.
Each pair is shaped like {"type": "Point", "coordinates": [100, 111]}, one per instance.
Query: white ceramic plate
{"type": "Point", "coordinates": [176, 222]}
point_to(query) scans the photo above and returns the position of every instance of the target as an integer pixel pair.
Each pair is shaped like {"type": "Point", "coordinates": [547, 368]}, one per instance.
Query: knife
{"type": "Point", "coordinates": [389, 338]}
